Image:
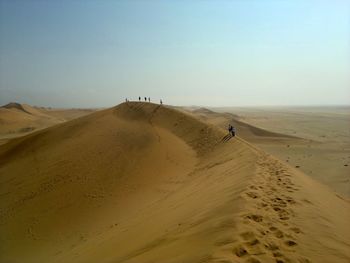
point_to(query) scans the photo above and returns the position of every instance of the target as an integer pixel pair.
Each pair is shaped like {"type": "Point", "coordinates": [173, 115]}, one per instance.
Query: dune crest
{"type": "Point", "coordinates": [146, 183]}
{"type": "Point", "coordinates": [18, 106]}
{"type": "Point", "coordinates": [20, 119]}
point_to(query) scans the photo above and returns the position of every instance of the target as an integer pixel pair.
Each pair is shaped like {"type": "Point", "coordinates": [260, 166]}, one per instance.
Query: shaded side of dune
{"type": "Point", "coordinates": [245, 130]}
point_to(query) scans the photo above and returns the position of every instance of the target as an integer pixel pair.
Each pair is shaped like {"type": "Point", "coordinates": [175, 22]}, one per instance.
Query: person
{"type": "Point", "coordinates": [145, 99]}
{"type": "Point", "coordinates": [233, 131]}
{"type": "Point", "coordinates": [161, 102]}
{"type": "Point", "coordinates": [139, 98]}
{"type": "Point", "coordinates": [149, 99]}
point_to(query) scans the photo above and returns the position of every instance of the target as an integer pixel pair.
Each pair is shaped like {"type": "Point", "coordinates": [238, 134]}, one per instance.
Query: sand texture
{"type": "Point", "coordinates": [315, 140]}
{"type": "Point", "coordinates": [147, 183]}
{"type": "Point", "coordinates": [20, 119]}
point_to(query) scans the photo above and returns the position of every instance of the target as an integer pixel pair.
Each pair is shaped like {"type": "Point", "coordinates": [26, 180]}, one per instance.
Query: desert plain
{"type": "Point", "coordinates": [141, 182]}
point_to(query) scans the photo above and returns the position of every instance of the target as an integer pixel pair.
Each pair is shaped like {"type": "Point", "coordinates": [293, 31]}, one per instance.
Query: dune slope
{"type": "Point", "coordinates": [20, 119]}
{"type": "Point", "coordinates": [145, 183]}
{"type": "Point", "coordinates": [248, 132]}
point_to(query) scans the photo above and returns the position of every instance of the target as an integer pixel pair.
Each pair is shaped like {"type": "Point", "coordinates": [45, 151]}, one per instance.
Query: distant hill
{"type": "Point", "coordinates": [248, 132]}
{"type": "Point", "coordinates": [17, 119]}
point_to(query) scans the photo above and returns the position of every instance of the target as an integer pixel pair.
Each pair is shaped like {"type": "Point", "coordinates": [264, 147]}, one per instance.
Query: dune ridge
{"type": "Point", "coordinates": [146, 183]}
{"type": "Point", "coordinates": [247, 131]}
{"type": "Point", "coordinates": [17, 106]}
{"type": "Point", "coordinates": [18, 119]}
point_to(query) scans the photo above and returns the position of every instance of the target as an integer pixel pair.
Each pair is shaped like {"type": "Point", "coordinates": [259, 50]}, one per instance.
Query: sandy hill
{"type": "Point", "coordinates": [20, 107]}
{"type": "Point", "coordinates": [247, 131]}
{"type": "Point", "coordinates": [145, 183]}
{"type": "Point", "coordinates": [18, 119]}
{"type": "Point", "coordinates": [321, 148]}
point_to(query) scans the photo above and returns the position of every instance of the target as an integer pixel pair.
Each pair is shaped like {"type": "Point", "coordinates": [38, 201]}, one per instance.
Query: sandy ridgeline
{"type": "Point", "coordinates": [145, 183]}
{"type": "Point", "coordinates": [20, 119]}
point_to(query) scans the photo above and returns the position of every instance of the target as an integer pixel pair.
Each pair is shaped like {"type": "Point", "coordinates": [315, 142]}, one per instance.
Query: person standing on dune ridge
{"type": "Point", "coordinates": [139, 98]}
{"type": "Point", "coordinates": [149, 99]}
{"type": "Point", "coordinates": [232, 130]}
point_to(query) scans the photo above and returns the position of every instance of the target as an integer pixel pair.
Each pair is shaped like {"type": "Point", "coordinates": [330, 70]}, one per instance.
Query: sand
{"type": "Point", "coordinates": [316, 140]}
{"type": "Point", "coordinates": [20, 119]}
{"type": "Point", "coordinates": [147, 183]}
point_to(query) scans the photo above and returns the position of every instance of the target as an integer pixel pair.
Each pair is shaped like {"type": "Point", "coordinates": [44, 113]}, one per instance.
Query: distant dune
{"type": "Point", "coordinates": [146, 183]}
{"type": "Point", "coordinates": [246, 131]}
{"type": "Point", "coordinates": [18, 119]}
{"type": "Point", "coordinates": [317, 141]}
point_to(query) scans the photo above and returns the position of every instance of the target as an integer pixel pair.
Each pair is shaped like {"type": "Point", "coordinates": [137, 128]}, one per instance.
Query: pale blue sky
{"type": "Point", "coordinates": [214, 53]}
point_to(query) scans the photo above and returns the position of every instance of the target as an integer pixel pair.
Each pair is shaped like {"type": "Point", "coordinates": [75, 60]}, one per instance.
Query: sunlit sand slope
{"type": "Point", "coordinates": [20, 119]}
{"type": "Point", "coordinates": [145, 183]}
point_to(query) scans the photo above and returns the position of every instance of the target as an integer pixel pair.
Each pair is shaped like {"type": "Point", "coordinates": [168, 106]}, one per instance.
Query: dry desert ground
{"type": "Point", "coordinates": [321, 148]}
{"type": "Point", "coordinates": [142, 182]}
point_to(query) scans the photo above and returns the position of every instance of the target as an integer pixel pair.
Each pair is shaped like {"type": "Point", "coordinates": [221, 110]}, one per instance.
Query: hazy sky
{"type": "Point", "coordinates": [215, 53]}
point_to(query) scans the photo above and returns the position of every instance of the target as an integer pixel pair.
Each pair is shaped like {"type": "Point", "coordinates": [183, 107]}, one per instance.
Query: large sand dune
{"type": "Point", "coordinates": [314, 139]}
{"type": "Point", "coordinates": [20, 119]}
{"type": "Point", "coordinates": [145, 183]}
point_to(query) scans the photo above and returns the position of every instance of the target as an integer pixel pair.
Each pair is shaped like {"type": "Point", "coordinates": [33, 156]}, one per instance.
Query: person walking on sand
{"type": "Point", "coordinates": [149, 99]}
{"type": "Point", "coordinates": [139, 98]}
{"type": "Point", "coordinates": [232, 130]}
{"type": "Point", "coordinates": [161, 102]}
{"type": "Point", "coordinates": [145, 99]}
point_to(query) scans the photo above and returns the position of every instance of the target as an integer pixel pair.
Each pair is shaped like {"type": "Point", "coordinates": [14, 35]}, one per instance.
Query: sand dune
{"type": "Point", "coordinates": [146, 183]}
{"type": "Point", "coordinates": [324, 150]}
{"type": "Point", "coordinates": [19, 119]}
{"type": "Point", "coordinates": [247, 131]}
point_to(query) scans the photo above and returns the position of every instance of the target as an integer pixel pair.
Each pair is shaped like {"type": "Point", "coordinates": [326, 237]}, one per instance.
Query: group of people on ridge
{"type": "Point", "coordinates": [149, 100]}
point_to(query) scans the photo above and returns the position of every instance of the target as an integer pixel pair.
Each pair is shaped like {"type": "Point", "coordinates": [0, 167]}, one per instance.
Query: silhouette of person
{"type": "Point", "coordinates": [232, 130]}
{"type": "Point", "coordinates": [149, 99]}
{"type": "Point", "coordinates": [145, 99]}
{"type": "Point", "coordinates": [161, 102]}
{"type": "Point", "coordinates": [139, 98]}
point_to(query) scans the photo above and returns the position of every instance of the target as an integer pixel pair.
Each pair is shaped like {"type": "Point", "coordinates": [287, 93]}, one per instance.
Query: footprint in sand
{"type": "Point", "coordinates": [284, 218]}
{"type": "Point", "coordinates": [271, 246]}
{"type": "Point", "coordinates": [276, 208]}
{"type": "Point", "coordinates": [273, 228]}
{"type": "Point", "coordinates": [253, 187]}
{"type": "Point", "coordinates": [281, 212]}
{"type": "Point", "coordinates": [296, 230]}
{"type": "Point", "coordinates": [253, 242]}
{"type": "Point", "coordinates": [254, 217]}
{"type": "Point", "coordinates": [304, 260]}
{"type": "Point", "coordinates": [277, 254]}
{"type": "Point", "coordinates": [290, 243]}
{"type": "Point", "coordinates": [240, 251]}
{"type": "Point", "coordinates": [279, 234]}
{"type": "Point", "coordinates": [291, 201]}
{"type": "Point", "coordinates": [252, 195]}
